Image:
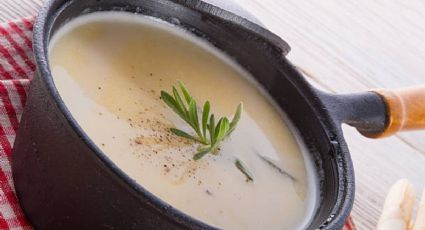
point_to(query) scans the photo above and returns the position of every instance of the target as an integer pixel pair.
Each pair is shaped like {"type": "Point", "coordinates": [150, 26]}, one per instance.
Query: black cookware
{"type": "Point", "coordinates": [64, 181]}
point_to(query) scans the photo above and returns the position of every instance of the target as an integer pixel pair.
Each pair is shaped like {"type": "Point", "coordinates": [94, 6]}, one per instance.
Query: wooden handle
{"type": "Point", "coordinates": [405, 109]}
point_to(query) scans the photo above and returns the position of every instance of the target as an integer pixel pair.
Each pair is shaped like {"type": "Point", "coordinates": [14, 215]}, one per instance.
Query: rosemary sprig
{"type": "Point", "coordinates": [208, 133]}
{"type": "Point", "coordinates": [239, 165]}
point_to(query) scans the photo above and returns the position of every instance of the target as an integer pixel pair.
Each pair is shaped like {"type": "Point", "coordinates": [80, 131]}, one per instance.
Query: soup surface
{"type": "Point", "coordinates": [110, 68]}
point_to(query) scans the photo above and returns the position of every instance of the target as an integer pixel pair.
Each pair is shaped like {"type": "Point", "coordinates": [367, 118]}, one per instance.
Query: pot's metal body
{"type": "Point", "coordinates": [64, 181]}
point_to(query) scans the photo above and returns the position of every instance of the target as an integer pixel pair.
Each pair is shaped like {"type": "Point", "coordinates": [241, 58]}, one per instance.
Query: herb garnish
{"type": "Point", "coordinates": [239, 165]}
{"type": "Point", "coordinates": [277, 168]}
{"type": "Point", "coordinates": [208, 133]}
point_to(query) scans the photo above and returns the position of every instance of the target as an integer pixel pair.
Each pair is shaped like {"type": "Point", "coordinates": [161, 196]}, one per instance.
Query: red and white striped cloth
{"type": "Point", "coordinates": [16, 70]}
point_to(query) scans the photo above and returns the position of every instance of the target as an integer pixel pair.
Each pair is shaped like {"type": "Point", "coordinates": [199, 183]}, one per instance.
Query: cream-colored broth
{"type": "Point", "coordinates": [109, 69]}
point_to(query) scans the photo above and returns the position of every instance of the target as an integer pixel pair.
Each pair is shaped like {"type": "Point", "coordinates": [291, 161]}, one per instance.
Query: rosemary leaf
{"type": "Point", "coordinates": [239, 165]}
{"type": "Point", "coordinates": [169, 100]}
{"type": "Point", "coordinates": [199, 155]}
{"type": "Point", "coordinates": [211, 127]}
{"type": "Point", "coordinates": [236, 118]}
{"type": "Point", "coordinates": [193, 115]}
{"type": "Point", "coordinates": [185, 92]}
{"type": "Point", "coordinates": [183, 134]}
{"type": "Point", "coordinates": [277, 168]}
{"type": "Point", "coordinates": [179, 101]}
{"type": "Point", "coordinates": [225, 128]}
{"type": "Point", "coordinates": [203, 148]}
{"type": "Point", "coordinates": [218, 128]}
{"type": "Point", "coordinates": [205, 114]}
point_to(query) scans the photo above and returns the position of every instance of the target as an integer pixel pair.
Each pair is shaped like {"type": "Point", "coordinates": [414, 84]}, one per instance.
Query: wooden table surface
{"type": "Point", "coordinates": [346, 46]}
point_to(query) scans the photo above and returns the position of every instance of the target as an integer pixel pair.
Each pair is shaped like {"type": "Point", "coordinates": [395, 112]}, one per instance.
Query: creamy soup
{"type": "Point", "coordinates": [110, 68]}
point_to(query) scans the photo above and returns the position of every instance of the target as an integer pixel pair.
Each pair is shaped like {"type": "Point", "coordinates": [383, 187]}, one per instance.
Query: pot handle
{"type": "Point", "coordinates": [380, 112]}
{"type": "Point", "coordinates": [405, 110]}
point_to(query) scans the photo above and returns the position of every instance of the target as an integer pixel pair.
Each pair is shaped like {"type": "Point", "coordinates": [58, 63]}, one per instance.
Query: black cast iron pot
{"type": "Point", "coordinates": [64, 181]}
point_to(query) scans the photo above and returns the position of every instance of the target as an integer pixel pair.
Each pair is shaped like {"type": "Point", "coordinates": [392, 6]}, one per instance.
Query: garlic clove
{"type": "Point", "coordinates": [398, 207]}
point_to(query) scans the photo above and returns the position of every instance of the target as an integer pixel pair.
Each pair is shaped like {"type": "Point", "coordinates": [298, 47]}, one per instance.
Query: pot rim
{"type": "Point", "coordinates": [41, 37]}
